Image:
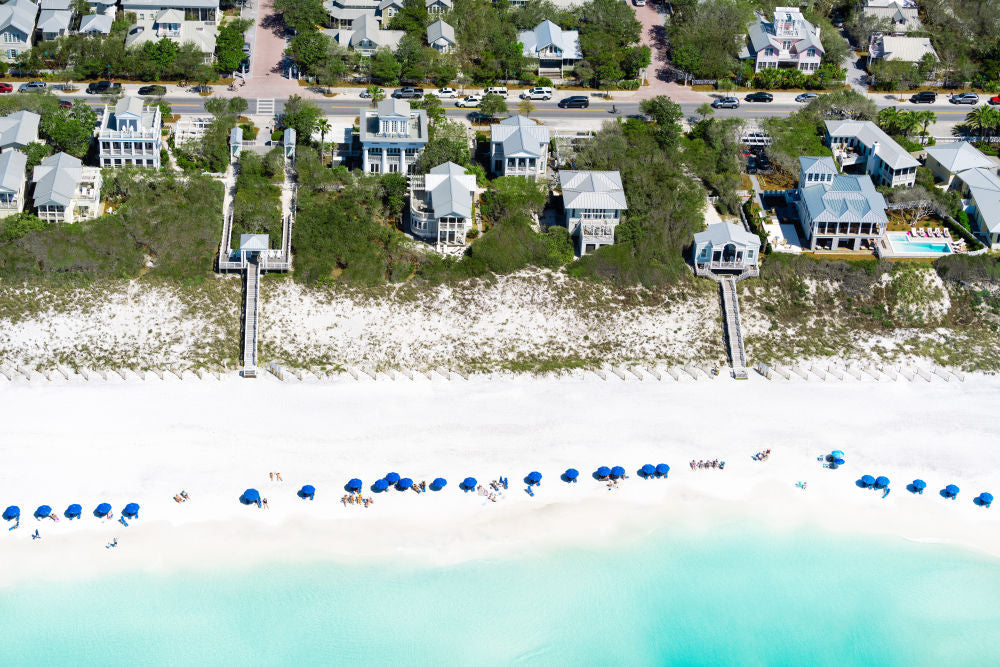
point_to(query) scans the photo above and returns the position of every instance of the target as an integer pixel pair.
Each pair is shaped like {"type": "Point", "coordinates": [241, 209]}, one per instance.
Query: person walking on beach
{"type": "Point", "coordinates": [272, 476]}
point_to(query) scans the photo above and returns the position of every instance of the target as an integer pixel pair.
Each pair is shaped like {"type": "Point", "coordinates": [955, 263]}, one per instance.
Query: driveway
{"type": "Point", "coordinates": [654, 35]}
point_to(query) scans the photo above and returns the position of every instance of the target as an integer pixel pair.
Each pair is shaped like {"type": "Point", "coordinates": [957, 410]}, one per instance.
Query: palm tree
{"type": "Point", "coordinates": [324, 126]}
{"type": "Point", "coordinates": [907, 122]}
{"type": "Point", "coordinates": [888, 119]}
{"type": "Point", "coordinates": [983, 119]}
{"type": "Point", "coordinates": [925, 118]}
{"type": "Point", "coordinates": [376, 94]}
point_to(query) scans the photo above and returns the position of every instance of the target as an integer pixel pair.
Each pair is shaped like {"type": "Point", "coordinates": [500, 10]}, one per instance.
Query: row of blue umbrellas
{"type": "Point", "coordinates": [918, 485]}
{"type": "Point", "coordinates": [74, 511]}
{"type": "Point", "coordinates": [880, 482]}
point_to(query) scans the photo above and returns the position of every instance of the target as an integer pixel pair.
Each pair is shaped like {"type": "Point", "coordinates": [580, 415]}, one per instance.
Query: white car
{"type": "Point", "coordinates": [537, 93]}
{"type": "Point", "coordinates": [470, 101]}
{"type": "Point", "coordinates": [496, 90]}
{"type": "Point", "coordinates": [447, 92]}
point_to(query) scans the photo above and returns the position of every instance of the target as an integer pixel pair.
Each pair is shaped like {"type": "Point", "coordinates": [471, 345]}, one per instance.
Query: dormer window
{"type": "Point", "coordinates": [786, 45]}
{"type": "Point", "coordinates": [811, 53]}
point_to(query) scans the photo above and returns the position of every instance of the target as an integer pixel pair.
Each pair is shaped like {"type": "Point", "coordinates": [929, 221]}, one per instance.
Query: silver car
{"type": "Point", "coordinates": [806, 97]}
{"type": "Point", "coordinates": [965, 98]}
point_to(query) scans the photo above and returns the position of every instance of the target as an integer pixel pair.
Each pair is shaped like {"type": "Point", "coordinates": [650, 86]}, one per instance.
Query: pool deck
{"type": "Point", "coordinates": [887, 250]}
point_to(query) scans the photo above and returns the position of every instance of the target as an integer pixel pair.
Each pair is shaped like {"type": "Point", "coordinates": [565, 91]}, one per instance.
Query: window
{"type": "Point", "coordinates": [785, 45]}
{"type": "Point", "coordinates": [374, 168]}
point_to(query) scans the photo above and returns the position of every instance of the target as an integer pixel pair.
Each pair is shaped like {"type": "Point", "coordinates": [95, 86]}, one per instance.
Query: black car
{"type": "Point", "coordinates": [759, 97]}
{"type": "Point", "coordinates": [924, 97]}
{"type": "Point", "coordinates": [153, 90]}
{"type": "Point", "coordinates": [103, 88]}
{"type": "Point", "coordinates": [574, 102]}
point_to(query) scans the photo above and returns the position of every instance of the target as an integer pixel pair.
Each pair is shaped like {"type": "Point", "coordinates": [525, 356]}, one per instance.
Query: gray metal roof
{"type": "Point", "coordinates": [54, 4]}
{"type": "Point", "coordinates": [128, 5]}
{"type": "Point", "coordinates": [393, 107]}
{"type": "Point", "coordinates": [984, 189]}
{"type": "Point", "coordinates": [54, 20]}
{"type": "Point", "coordinates": [520, 136]}
{"type": "Point", "coordinates": [447, 3]}
{"type": "Point", "coordinates": [817, 165]}
{"type": "Point", "coordinates": [56, 179]}
{"type": "Point", "coordinates": [99, 23]}
{"type": "Point", "coordinates": [19, 129]}
{"type": "Point", "coordinates": [907, 49]}
{"type": "Point", "coordinates": [236, 135]}
{"type": "Point", "coordinates": [19, 14]}
{"type": "Point", "coordinates": [129, 106]}
{"type": "Point", "coordinates": [846, 199]}
{"type": "Point", "coordinates": [254, 241]}
{"type": "Point", "coordinates": [901, 17]}
{"type": "Point", "coordinates": [959, 156]}
{"type": "Point", "coordinates": [170, 15]}
{"type": "Point", "coordinates": [592, 189]}
{"type": "Point", "coordinates": [868, 133]}
{"type": "Point", "coordinates": [12, 166]}
{"type": "Point", "coordinates": [548, 34]}
{"type": "Point", "coordinates": [722, 233]}
{"type": "Point", "coordinates": [440, 30]}
{"type": "Point", "coordinates": [451, 190]}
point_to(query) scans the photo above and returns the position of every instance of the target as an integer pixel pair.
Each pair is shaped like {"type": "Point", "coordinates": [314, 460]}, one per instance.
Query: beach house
{"type": "Point", "coordinates": [787, 42]}
{"type": "Point", "coordinates": [519, 147]}
{"type": "Point", "coordinates": [441, 204]}
{"type": "Point", "coordinates": [838, 212]}
{"type": "Point", "coordinates": [96, 24]}
{"type": "Point", "coordinates": [593, 202]}
{"type": "Point", "coordinates": [436, 7]}
{"type": "Point", "coordinates": [54, 19]}
{"type": "Point", "coordinates": [441, 36]}
{"type": "Point", "coordinates": [366, 36]}
{"type": "Point", "coordinates": [949, 160]}
{"type": "Point", "coordinates": [180, 21]}
{"type": "Point", "coordinates": [18, 129]}
{"type": "Point", "coordinates": [726, 248]}
{"type": "Point", "coordinates": [906, 49]}
{"type": "Point", "coordinates": [980, 189]}
{"type": "Point", "coordinates": [343, 13]}
{"type": "Point", "coordinates": [553, 48]}
{"type": "Point", "coordinates": [12, 173]}
{"type": "Point", "coordinates": [65, 190]}
{"type": "Point", "coordinates": [863, 147]}
{"type": "Point", "coordinates": [130, 134]}
{"type": "Point", "coordinates": [17, 25]}
{"type": "Point", "coordinates": [392, 137]}
{"type": "Point", "coordinates": [108, 7]}
{"type": "Point", "coordinates": [901, 16]}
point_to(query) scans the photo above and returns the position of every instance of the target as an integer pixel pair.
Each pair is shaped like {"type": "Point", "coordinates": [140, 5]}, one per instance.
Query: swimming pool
{"type": "Point", "coordinates": [904, 245]}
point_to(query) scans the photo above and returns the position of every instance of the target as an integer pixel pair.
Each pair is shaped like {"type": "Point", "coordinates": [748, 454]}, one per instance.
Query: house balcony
{"type": "Point", "coordinates": [12, 205]}
{"type": "Point", "coordinates": [847, 156]}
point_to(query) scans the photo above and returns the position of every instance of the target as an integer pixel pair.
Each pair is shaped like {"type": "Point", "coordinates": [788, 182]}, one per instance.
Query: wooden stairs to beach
{"type": "Point", "coordinates": [734, 332]}
{"type": "Point", "coordinates": [250, 311]}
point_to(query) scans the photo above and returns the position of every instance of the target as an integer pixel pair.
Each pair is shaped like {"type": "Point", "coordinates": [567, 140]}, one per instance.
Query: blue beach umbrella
{"type": "Point", "coordinates": [103, 509]}
{"type": "Point", "coordinates": [882, 482]}
{"type": "Point", "coordinates": [74, 510]}
{"type": "Point", "coordinates": [43, 511]}
{"type": "Point", "coordinates": [251, 496]}
{"type": "Point", "coordinates": [662, 469]}
{"type": "Point", "coordinates": [11, 513]}
{"type": "Point", "coordinates": [919, 485]}
{"type": "Point", "coordinates": [438, 483]}
{"type": "Point", "coordinates": [951, 490]}
{"type": "Point", "coordinates": [837, 454]}
{"type": "Point", "coordinates": [648, 470]}
{"type": "Point", "coordinates": [354, 485]}
{"type": "Point", "coordinates": [132, 509]}
{"type": "Point", "coordinates": [392, 478]}
{"type": "Point", "coordinates": [404, 484]}
{"type": "Point", "coordinates": [380, 485]}
{"type": "Point", "coordinates": [571, 474]}
{"type": "Point", "coordinates": [469, 483]}
{"type": "Point", "coordinates": [618, 471]}
{"type": "Point", "coordinates": [307, 491]}
{"type": "Point", "coordinates": [534, 477]}
{"type": "Point", "coordinates": [604, 471]}
{"type": "Point", "coordinates": [986, 498]}
{"type": "Point", "coordinates": [839, 462]}
{"type": "Point", "coordinates": [868, 480]}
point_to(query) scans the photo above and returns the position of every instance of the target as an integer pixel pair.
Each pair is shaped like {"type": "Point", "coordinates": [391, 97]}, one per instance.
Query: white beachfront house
{"type": "Point", "coordinates": [54, 23]}
{"type": "Point", "coordinates": [392, 137]}
{"type": "Point", "coordinates": [17, 25]}
{"type": "Point", "coordinates": [441, 36]}
{"type": "Point", "coordinates": [593, 202]}
{"type": "Point", "coordinates": [980, 189]}
{"type": "Point", "coordinates": [436, 7]}
{"type": "Point", "coordinates": [18, 129]}
{"type": "Point", "coordinates": [108, 7]}
{"type": "Point", "coordinates": [366, 36]}
{"type": "Point", "coordinates": [12, 172]}
{"type": "Point", "coordinates": [519, 147]}
{"type": "Point", "coordinates": [65, 190]}
{"type": "Point", "coordinates": [441, 204]}
{"type": "Point", "coordinates": [96, 24]}
{"type": "Point", "coordinates": [787, 42]}
{"type": "Point", "coordinates": [949, 160]}
{"type": "Point", "coordinates": [906, 49]}
{"type": "Point", "coordinates": [838, 212]}
{"type": "Point", "coordinates": [901, 15]}
{"type": "Point", "coordinates": [726, 248]}
{"type": "Point", "coordinates": [343, 13]}
{"type": "Point", "coordinates": [181, 21]}
{"type": "Point", "coordinates": [554, 48]}
{"type": "Point", "coordinates": [130, 134]}
{"type": "Point", "coordinates": [864, 144]}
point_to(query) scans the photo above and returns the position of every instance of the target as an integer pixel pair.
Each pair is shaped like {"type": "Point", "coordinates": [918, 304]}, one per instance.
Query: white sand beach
{"type": "Point", "coordinates": [144, 441]}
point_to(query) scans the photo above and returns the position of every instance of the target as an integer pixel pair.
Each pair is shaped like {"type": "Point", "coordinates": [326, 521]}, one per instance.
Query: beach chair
{"type": "Point", "coordinates": [912, 232]}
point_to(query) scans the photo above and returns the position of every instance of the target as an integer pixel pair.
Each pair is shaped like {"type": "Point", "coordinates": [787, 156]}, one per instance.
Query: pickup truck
{"type": "Point", "coordinates": [409, 93]}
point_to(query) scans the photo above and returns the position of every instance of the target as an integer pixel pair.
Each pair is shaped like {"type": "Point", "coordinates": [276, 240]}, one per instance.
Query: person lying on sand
{"type": "Point", "coordinates": [185, 496]}
{"type": "Point", "coordinates": [178, 499]}
{"type": "Point", "coordinates": [278, 476]}
{"type": "Point", "coordinates": [272, 476]}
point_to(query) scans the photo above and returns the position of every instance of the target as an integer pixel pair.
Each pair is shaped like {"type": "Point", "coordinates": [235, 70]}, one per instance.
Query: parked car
{"type": "Point", "coordinates": [965, 98]}
{"type": "Point", "coordinates": [65, 104]}
{"type": "Point", "coordinates": [246, 48]}
{"type": "Point", "coordinates": [726, 103]}
{"type": "Point", "coordinates": [574, 102]}
{"type": "Point", "coordinates": [924, 97]}
{"type": "Point", "coordinates": [32, 85]}
{"type": "Point", "coordinates": [153, 90]}
{"type": "Point", "coordinates": [806, 97]}
{"type": "Point", "coordinates": [104, 88]}
{"type": "Point", "coordinates": [995, 100]}
{"type": "Point", "coordinates": [365, 94]}
{"type": "Point", "coordinates": [469, 101]}
{"type": "Point", "coordinates": [447, 92]}
{"type": "Point", "coordinates": [496, 90]}
{"type": "Point", "coordinates": [409, 93]}
{"type": "Point", "coordinates": [537, 93]}
{"type": "Point", "coordinates": [6, 88]}
{"type": "Point", "coordinates": [759, 97]}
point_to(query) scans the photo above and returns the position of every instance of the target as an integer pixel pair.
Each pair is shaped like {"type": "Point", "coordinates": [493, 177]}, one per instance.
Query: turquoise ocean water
{"type": "Point", "coordinates": [738, 595]}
